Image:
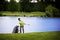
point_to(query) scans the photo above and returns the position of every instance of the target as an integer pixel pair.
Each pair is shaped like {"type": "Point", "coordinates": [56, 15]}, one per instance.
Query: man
{"type": "Point", "coordinates": [21, 23]}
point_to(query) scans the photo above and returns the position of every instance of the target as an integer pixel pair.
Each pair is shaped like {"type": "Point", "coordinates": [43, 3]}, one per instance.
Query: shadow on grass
{"type": "Point", "coordinates": [57, 37]}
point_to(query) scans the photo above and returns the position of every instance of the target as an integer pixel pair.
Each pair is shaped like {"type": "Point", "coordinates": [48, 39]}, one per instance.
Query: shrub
{"type": "Point", "coordinates": [51, 11]}
{"type": "Point", "coordinates": [0, 13]}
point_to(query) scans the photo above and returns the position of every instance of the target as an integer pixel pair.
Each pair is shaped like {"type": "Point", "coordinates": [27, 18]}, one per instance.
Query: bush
{"type": "Point", "coordinates": [0, 13]}
{"type": "Point", "coordinates": [51, 11]}
{"type": "Point", "coordinates": [56, 12]}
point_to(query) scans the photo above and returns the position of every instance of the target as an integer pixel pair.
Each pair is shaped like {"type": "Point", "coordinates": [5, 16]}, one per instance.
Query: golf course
{"type": "Point", "coordinates": [31, 36]}
{"type": "Point", "coordinates": [29, 20]}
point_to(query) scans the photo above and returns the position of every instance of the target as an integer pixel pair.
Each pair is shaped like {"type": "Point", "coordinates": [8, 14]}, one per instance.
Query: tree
{"type": "Point", "coordinates": [13, 6]}
{"type": "Point", "coordinates": [52, 11]}
{"type": "Point", "coordinates": [25, 6]}
{"type": "Point", "coordinates": [41, 6]}
{"type": "Point", "coordinates": [2, 5]}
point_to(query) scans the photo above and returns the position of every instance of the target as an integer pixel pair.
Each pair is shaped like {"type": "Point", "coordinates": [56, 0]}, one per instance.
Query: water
{"type": "Point", "coordinates": [36, 24]}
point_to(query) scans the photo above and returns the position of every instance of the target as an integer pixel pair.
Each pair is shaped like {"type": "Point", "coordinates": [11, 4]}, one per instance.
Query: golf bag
{"type": "Point", "coordinates": [15, 30]}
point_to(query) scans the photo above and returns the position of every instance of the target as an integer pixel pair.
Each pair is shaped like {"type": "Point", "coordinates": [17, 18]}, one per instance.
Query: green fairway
{"type": "Point", "coordinates": [32, 36]}
{"type": "Point", "coordinates": [23, 13]}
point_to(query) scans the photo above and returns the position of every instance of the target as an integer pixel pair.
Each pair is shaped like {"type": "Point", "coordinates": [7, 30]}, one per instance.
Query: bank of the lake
{"type": "Point", "coordinates": [22, 13]}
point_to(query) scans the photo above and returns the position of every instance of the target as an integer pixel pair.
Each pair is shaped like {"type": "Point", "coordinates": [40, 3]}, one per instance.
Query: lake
{"type": "Point", "coordinates": [36, 24]}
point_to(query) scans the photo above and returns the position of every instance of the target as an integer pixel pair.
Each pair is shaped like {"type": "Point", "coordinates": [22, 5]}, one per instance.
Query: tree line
{"type": "Point", "coordinates": [23, 5]}
{"type": "Point", "coordinates": [26, 6]}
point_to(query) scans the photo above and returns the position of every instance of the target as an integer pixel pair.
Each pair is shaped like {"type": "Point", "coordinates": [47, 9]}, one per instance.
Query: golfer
{"type": "Point", "coordinates": [21, 23]}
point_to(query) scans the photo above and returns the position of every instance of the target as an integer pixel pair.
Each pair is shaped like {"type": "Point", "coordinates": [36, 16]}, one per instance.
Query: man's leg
{"type": "Point", "coordinates": [20, 29]}
{"type": "Point", "coordinates": [23, 29]}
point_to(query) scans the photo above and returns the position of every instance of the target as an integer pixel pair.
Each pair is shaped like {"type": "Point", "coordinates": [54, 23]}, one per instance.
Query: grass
{"type": "Point", "coordinates": [32, 36]}
{"type": "Point", "coordinates": [22, 14]}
